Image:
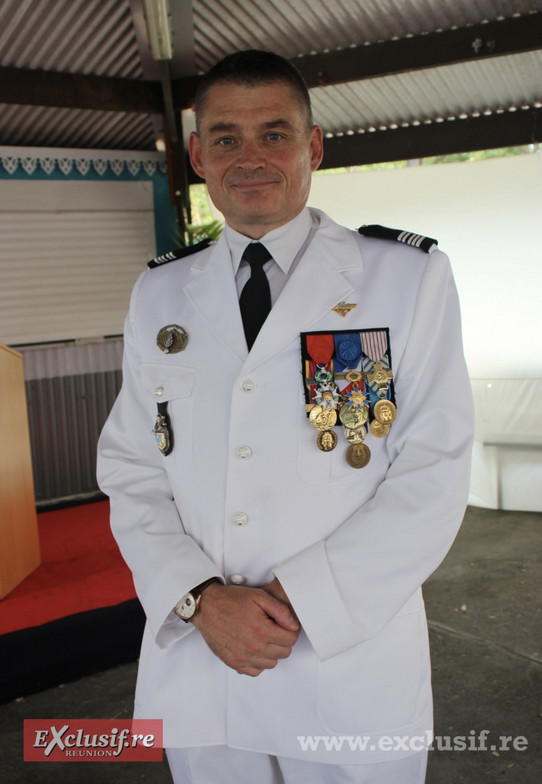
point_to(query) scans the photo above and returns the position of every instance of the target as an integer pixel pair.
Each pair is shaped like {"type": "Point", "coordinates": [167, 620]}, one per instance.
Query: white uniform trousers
{"type": "Point", "coordinates": [222, 765]}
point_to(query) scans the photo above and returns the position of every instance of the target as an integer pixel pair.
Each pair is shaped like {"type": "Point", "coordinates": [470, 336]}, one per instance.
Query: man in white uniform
{"type": "Point", "coordinates": [308, 468]}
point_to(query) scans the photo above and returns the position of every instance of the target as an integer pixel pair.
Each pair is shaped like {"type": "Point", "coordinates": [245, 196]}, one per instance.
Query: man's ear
{"type": "Point", "coordinates": [316, 147]}
{"type": "Point", "coordinates": [194, 150]}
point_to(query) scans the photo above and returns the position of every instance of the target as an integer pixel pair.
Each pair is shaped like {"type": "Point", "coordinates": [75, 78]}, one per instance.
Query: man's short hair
{"type": "Point", "coordinates": [251, 68]}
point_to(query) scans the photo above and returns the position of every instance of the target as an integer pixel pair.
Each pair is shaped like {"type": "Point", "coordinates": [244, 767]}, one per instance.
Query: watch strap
{"type": "Point", "coordinates": [199, 589]}
{"type": "Point", "coordinates": [195, 596]}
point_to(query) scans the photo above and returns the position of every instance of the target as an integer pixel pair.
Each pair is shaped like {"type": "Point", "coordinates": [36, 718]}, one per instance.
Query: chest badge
{"type": "Point", "coordinates": [162, 430]}
{"type": "Point", "coordinates": [172, 339]}
{"type": "Point", "coordinates": [343, 308]}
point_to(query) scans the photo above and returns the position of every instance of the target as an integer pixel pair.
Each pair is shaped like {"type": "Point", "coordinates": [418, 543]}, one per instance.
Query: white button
{"type": "Point", "coordinates": [248, 385]}
{"type": "Point", "coordinates": [239, 518]}
{"type": "Point", "coordinates": [159, 391]}
{"type": "Point", "coordinates": [237, 579]}
{"type": "Point", "coordinates": [244, 452]}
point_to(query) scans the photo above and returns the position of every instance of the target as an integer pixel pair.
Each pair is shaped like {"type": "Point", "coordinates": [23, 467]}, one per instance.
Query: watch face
{"type": "Point", "coordinates": [186, 607]}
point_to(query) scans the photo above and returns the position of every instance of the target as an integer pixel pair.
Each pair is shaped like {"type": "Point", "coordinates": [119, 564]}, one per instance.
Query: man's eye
{"type": "Point", "coordinates": [274, 136]}
{"type": "Point", "coordinates": [225, 141]}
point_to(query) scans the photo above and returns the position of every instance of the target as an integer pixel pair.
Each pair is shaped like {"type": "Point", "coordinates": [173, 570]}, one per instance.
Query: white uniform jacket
{"type": "Point", "coordinates": [351, 547]}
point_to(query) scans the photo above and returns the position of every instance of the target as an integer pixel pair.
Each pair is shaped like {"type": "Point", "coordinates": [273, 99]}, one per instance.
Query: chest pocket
{"type": "Point", "coordinates": [174, 385]}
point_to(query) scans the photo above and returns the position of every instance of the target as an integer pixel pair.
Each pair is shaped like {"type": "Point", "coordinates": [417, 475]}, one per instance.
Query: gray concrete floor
{"type": "Point", "coordinates": [484, 609]}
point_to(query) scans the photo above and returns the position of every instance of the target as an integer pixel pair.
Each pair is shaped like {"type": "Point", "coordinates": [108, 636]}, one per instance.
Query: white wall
{"type": "Point", "coordinates": [486, 216]}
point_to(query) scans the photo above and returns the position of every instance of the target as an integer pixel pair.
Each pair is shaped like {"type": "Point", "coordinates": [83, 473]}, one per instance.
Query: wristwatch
{"type": "Point", "coordinates": [189, 604]}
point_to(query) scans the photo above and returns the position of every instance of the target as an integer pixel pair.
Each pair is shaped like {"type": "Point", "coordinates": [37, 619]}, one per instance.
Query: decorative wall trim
{"type": "Point", "coordinates": [55, 161]}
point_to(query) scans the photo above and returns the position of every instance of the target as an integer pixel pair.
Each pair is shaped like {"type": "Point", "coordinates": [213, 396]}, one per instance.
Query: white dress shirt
{"type": "Point", "coordinates": [286, 244]}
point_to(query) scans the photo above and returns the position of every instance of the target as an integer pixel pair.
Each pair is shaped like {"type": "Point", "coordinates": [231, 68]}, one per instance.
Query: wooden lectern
{"type": "Point", "coordinates": [19, 541]}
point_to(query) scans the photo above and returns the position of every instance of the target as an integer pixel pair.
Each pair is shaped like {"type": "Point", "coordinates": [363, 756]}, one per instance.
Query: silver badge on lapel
{"type": "Point", "coordinates": [172, 339]}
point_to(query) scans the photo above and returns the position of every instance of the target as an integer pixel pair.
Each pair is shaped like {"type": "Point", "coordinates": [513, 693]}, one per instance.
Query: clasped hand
{"type": "Point", "coordinates": [249, 629]}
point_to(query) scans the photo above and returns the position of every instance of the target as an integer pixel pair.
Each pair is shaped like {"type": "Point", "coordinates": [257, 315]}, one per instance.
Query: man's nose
{"type": "Point", "coordinates": [250, 156]}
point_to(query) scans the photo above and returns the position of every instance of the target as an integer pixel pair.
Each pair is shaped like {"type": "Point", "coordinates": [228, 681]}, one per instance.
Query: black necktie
{"type": "Point", "coordinates": [255, 300]}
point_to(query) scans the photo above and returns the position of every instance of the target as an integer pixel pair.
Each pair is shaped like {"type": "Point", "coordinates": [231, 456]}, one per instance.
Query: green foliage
{"type": "Point", "coordinates": [203, 225]}
{"type": "Point", "coordinates": [209, 230]}
{"type": "Point", "coordinates": [476, 155]}
{"type": "Point", "coordinates": [200, 204]}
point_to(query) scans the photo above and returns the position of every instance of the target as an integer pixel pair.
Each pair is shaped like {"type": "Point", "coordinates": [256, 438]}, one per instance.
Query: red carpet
{"type": "Point", "coordinates": [81, 570]}
{"type": "Point", "coordinates": [76, 614]}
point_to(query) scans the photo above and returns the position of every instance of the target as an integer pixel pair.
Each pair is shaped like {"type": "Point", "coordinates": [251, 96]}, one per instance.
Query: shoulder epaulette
{"type": "Point", "coordinates": [427, 244]}
{"type": "Point", "coordinates": [179, 253]}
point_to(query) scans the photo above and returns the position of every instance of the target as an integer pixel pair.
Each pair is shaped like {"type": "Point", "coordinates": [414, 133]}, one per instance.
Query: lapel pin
{"type": "Point", "coordinates": [172, 339]}
{"type": "Point", "coordinates": [342, 308]}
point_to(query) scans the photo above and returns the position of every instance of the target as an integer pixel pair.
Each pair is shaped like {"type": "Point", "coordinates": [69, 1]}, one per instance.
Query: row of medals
{"type": "Point", "coordinates": [351, 408]}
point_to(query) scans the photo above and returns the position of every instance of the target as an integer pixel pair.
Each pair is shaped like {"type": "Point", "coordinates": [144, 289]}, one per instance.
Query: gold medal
{"type": "Point", "coordinates": [323, 418]}
{"type": "Point", "coordinates": [352, 417]}
{"type": "Point", "coordinates": [326, 440]}
{"type": "Point", "coordinates": [354, 436]}
{"type": "Point", "coordinates": [358, 455]}
{"type": "Point", "coordinates": [385, 412]}
{"type": "Point", "coordinates": [353, 376]}
{"type": "Point", "coordinates": [380, 376]}
{"type": "Point", "coordinates": [172, 339]}
{"type": "Point", "coordinates": [378, 430]}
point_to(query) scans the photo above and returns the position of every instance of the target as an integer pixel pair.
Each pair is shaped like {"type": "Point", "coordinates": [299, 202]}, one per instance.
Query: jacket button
{"type": "Point", "coordinates": [239, 518]}
{"type": "Point", "coordinates": [159, 391]}
{"type": "Point", "coordinates": [237, 579]}
{"type": "Point", "coordinates": [248, 385]}
{"type": "Point", "coordinates": [244, 452]}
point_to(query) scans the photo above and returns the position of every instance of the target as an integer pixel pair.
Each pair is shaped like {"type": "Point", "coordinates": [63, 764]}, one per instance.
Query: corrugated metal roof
{"type": "Point", "coordinates": [40, 126]}
{"type": "Point", "coordinates": [99, 37]}
{"type": "Point", "coordinates": [306, 26]}
{"type": "Point", "coordinates": [469, 88]}
{"type": "Point", "coordinates": [73, 36]}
